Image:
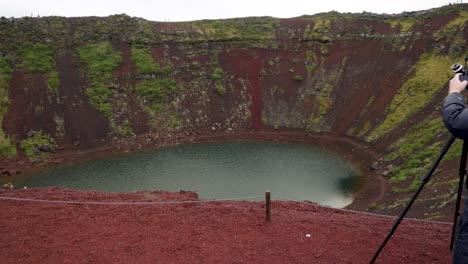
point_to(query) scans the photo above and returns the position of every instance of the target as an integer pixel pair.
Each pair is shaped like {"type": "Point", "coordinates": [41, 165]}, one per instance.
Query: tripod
{"type": "Point", "coordinates": [461, 172]}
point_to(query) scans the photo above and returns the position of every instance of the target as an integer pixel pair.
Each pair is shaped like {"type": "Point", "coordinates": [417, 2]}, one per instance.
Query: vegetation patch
{"type": "Point", "coordinates": [124, 129]}
{"type": "Point", "coordinates": [453, 28]}
{"type": "Point", "coordinates": [321, 30]}
{"type": "Point", "coordinates": [415, 152]}
{"type": "Point", "coordinates": [40, 58]}
{"type": "Point", "coordinates": [5, 76]}
{"type": "Point", "coordinates": [53, 81]}
{"type": "Point", "coordinates": [311, 61]}
{"type": "Point", "coordinates": [323, 96]}
{"type": "Point", "coordinates": [59, 126]}
{"type": "Point", "coordinates": [217, 77]}
{"type": "Point", "coordinates": [324, 101]}
{"type": "Point", "coordinates": [153, 92]}
{"type": "Point", "coordinates": [249, 32]}
{"type": "Point", "coordinates": [405, 24]}
{"type": "Point", "coordinates": [7, 148]}
{"type": "Point", "coordinates": [101, 60]}
{"type": "Point", "coordinates": [220, 89]}
{"type": "Point", "coordinates": [430, 75]}
{"type": "Point", "coordinates": [363, 131]}
{"type": "Point", "coordinates": [298, 78]}
{"type": "Point", "coordinates": [453, 33]}
{"type": "Point", "coordinates": [38, 146]}
{"type": "Point", "coordinates": [143, 60]}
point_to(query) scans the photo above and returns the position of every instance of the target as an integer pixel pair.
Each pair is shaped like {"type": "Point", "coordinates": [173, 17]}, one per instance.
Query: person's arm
{"type": "Point", "coordinates": [454, 113]}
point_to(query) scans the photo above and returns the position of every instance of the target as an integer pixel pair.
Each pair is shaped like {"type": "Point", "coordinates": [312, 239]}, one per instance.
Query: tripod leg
{"type": "Point", "coordinates": [425, 179]}
{"type": "Point", "coordinates": [461, 174]}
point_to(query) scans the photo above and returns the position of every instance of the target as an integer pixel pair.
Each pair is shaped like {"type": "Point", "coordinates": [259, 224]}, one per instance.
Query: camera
{"type": "Point", "coordinates": [458, 68]}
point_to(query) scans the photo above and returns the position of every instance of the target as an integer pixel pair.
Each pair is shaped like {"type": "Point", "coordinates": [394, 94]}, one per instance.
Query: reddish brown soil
{"type": "Point", "coordinates": [208, 232]}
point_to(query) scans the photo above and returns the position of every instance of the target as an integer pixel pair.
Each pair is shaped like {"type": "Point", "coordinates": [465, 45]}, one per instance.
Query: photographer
{"type": "Point", "coordinates": [455, 117]}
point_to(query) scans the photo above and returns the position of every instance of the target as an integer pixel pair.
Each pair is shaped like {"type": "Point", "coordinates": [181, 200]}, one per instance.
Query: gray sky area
{"type": "Point", "coordinates": [185, 10]}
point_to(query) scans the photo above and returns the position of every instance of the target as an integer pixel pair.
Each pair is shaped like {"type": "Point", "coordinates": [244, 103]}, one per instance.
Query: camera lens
{"type": "Point", "coordinates": [457, 67]}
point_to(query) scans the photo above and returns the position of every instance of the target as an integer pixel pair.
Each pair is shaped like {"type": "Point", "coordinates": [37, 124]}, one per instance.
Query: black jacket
{"type": "Point", "coordinates": [455, 115]}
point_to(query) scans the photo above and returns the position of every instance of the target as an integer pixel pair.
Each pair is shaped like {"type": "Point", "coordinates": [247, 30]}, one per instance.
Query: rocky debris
{"type": "Point", "coordinates": [8, 173]}
{"type": "Point", "coordinates": [45, 148]}
{"type": "Point", "coordinates": [374, 166]}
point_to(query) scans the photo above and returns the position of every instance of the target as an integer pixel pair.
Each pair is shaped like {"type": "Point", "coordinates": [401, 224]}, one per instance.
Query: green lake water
{"type": "Point", "coordinates": [214, 171]}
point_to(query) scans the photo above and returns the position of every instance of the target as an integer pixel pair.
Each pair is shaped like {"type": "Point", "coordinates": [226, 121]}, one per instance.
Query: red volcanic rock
{"type": "Point", "coordinates": [205, 232]}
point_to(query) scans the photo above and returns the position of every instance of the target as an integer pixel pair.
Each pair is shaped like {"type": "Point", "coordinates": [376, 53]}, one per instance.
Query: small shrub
{"type": "Point", "coordinates": [217, 74]}
{"type": "Point", "coordinates": [125, 129]}
{"type": "Point", "coordinates": [220, 89]}
{"type": "Point", "coordinates": [298, 78]}
{"type": "Point", "coordinates": [37, 145]}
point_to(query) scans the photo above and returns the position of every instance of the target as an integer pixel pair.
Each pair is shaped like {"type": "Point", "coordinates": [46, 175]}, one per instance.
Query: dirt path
{"type": "Point", "coordinates": [209, 232]}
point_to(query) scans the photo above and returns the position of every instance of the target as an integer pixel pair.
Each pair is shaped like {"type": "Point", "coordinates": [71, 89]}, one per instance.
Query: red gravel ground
{"type": "Point", "coordinates": [207, 232]}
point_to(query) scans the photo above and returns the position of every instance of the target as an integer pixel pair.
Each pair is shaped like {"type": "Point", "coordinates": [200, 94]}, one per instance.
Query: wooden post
{"type": "Point", "coordinates": [268, 206]}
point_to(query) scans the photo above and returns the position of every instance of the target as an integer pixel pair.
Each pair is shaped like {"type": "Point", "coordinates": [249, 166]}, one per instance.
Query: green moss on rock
{"type": "Point", "coordinates": [323, 101]}
{"type": "Point", "coordinates": [143, 60]}
{"type": "Point", "coordinates": [124, 129]}
{"type": "Point", "coordinates": [321, 30]}
{"type": "Point", "coordinates": [53, 81]}
{"type": "Point", "coordinates": [416, 150]}
{"type": "Point", "coordinates": [101, 60]}
{"type": "Point", "coordinates": [430, 74]}
{"type": "Point", "coordinates": [38, 146]}
{"type": "Point", "coordinates": [5, 76]}
{"type": "Point", "coordinates": [153, 92]}
{"type": "Point", "coordinates": [404, 23]}
{"type": "Point", "coordinates": [38, 58]}
{"type": "Point", "coordinates": [453, 28]}
{"type": "Point", "coordinates": [7, 148]}
{"type": "Point", "coordinates": [326, 81]}
{"type": "Point", "coordinates": [311, 62]}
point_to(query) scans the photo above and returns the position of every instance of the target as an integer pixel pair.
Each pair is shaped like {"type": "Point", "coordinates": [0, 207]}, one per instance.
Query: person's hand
{"type": "Point", "coordinates": [456, 86]}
